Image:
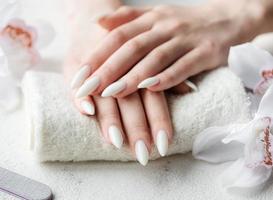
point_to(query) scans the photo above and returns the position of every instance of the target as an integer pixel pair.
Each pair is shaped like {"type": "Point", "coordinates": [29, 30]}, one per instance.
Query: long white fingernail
{"type": "Point", "coordinates": [142, 153]}
{"type": "Point", "coordinates": [88, 107]}
{"type": "Point", "coordinates": [148, 82]}
{"type": "Point", "coordinates": [114, 88]}
{"type": "Point", "coordinates": [191, 85]}
{"type": "Point", "coordinates": [162, 142]}
{"type": "Point", "coordinates": [80, 77]}
{"type": "Point", "coordinates": [88, 87]}
{"type": "Point", "coordinates": [115, 136]}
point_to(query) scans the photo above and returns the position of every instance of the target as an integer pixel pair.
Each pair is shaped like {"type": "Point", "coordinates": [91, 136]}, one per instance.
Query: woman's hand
{"type": "Point", "coordinates": [158, 48]}
{"type": "Point", "coordinates": [138, 120]}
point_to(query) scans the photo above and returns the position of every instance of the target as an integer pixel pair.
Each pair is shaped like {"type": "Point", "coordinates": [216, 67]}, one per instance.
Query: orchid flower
{"type": "Point", "coordinates": [249, 145]}
{"type": "Point", "coordinates": [18, 51]}
{"type": "Point", "coordinates": [253, 65]}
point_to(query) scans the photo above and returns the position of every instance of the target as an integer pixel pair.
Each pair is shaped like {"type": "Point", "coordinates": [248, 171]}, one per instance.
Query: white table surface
{"type": "Point", "coordinates": [176, 177]}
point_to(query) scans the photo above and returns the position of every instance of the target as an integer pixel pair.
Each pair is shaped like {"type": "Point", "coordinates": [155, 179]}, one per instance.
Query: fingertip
{"type": "Point", "coordinates": [85, 106]}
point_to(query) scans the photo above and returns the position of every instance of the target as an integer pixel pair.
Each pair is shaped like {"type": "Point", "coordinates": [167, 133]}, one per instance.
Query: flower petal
{"type": "Point", "coordinates": [240, 133]}
{"type": "Point", "coordinates": [208, 145]}
{"type": "Point", "coordinates": [8, 10]}
{"type": "Point", "coordinates": [247, 61]}
{"type": "Point", "coordinates": [239, 176]}
{"type": "Point", "coordinates": [4, 70]}
{"type": "Point", "coordinates": [45, 32]}
{"type": "Point", "coordinates": [266, 107]}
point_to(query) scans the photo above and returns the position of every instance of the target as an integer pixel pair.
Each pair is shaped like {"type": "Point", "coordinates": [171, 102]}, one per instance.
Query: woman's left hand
{"type": "Point", "coordinates": [138, 120]}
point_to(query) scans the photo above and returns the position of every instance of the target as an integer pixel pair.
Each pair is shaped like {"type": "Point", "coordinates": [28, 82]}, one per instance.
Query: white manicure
{"type": "Point", "coordinates": [191, 85]}
{"type": "Point", "coordinates": [162, 142]}
{"type": "Point", "coordinates": [142, 153]}
{"type": "Point", "coordinates": [114, 88]}
{"type": "Point", "coordinates": [88, 87]}
{"type": "Point", "coordinates": [88, 107]}
{"type": "Point", "coordinates": [115, 136]}
{"type": "Point", "coordinates": [80, 77]}
{"type": "Point", "coordinates": [148, 82]}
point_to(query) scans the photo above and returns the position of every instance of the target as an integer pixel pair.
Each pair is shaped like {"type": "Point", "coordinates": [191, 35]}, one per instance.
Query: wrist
{"type": "Point", "coordinates": [247, 16]}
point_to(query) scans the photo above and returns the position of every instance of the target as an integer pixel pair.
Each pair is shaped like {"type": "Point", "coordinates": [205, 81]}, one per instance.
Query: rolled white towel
{"type": "Point", "coordinates": [60, 133]}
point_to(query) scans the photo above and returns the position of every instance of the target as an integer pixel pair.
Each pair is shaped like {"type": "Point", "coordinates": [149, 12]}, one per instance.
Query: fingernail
{"type": "Point", "coordinates": [80, 77]}
{"type": "Point", "coordinates": [115, 136]}
{"type": "Point", "coordinates": [88, 107]}
{"type": "Point", "coordinates": [148, 82]}
{"type": "Point", "coordinates": [88, 87]}
{"type": "Point", "coordinates": [114, 88]}
{"type": "Point", "coordinates": [142, 153]}
{"type": "Point", "coordinates": [162, 142]}
{"type": "Point", "coordinates": [191, 85]}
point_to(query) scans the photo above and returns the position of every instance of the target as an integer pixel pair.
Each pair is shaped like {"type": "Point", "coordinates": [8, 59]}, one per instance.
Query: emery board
{"type": "Point", "coordinates": [23, 187]}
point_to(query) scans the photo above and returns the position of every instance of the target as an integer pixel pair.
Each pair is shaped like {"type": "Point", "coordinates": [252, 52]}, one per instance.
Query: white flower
{"type": "Point", "coordinates": [253, 65]}
{"type": "Point", "coordinates": [19, 45]}
{"type": "Point", "coordinates": [248, 145]}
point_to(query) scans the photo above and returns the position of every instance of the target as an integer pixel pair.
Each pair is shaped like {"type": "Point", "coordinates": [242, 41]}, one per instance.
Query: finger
{"type": "Point", "coordinates": [123, 59]}
{"type": "Point", "coordinates": [116, 38]}
{"type": "Point", "coordinates": [159, 119]}
{"type": "Point", "coordinates": [192, 63]}
{"type": "Point", "coordinates": [109, 120]}
{"type": "Point", "coordinates": [118, 64]}
{"type": "Point", "coordinates": [85, 105]}
{"type": "Point", "coordinates": [152, 64]}
{"type": "Point", "coordinates": [121, 16]}
{"type": "Point", "coordinates": [135, 125]}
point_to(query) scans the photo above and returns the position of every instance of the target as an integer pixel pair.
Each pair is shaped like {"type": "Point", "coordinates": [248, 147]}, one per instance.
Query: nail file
{"type": "Point", "coordinates": [23, 187]}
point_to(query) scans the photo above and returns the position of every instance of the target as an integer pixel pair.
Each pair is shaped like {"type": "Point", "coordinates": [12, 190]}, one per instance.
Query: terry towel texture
{"type": "Point", "coordinates": [58, 132]}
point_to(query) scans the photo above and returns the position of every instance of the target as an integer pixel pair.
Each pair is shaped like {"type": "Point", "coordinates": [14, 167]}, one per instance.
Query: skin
{"type": "Point", "coordinates": [132, 114]}
{"type": "Point", "coordinates": [173, 43]}
{"type": "Point", "coordinates": [169, 42]}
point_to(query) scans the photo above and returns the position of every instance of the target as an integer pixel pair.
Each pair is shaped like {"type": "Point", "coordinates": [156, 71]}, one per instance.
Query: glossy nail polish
{"type": "Point", "coordinates": [148, 82]}
{"type": "Point", "coordinates": [80, 77]}
{"type": "Point", "coordinates": [142, 153]}
{"type": "Point", "coordinates": [88, 107]}
{"type": "Point", "coordinates": [191, 85]}
{"type": "Point", "coordinates": [162, 142]}
{"type": "Point", "coordinates": [88, 87]}
{"type": "Point", "coordinates": [115, 136]}
{"type": "Point", "coordinates": [114, 88]}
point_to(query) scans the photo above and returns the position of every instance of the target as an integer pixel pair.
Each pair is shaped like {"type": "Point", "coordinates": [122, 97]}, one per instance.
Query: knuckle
{"type": "Point", "coordinates": [135, 46]}
{"type": "Point", "coordinates": [118, 36]}
{"type": "Point", "coordinates": [160, 55]}
{"type": "Point", "coordinates": [108, 116]}
{"type": "Point", "coordinates": [209, 47]}
{"type": "Point", "coordinates": [139, 127]}
{"type": "Point", "coordinates": [175, 25]}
